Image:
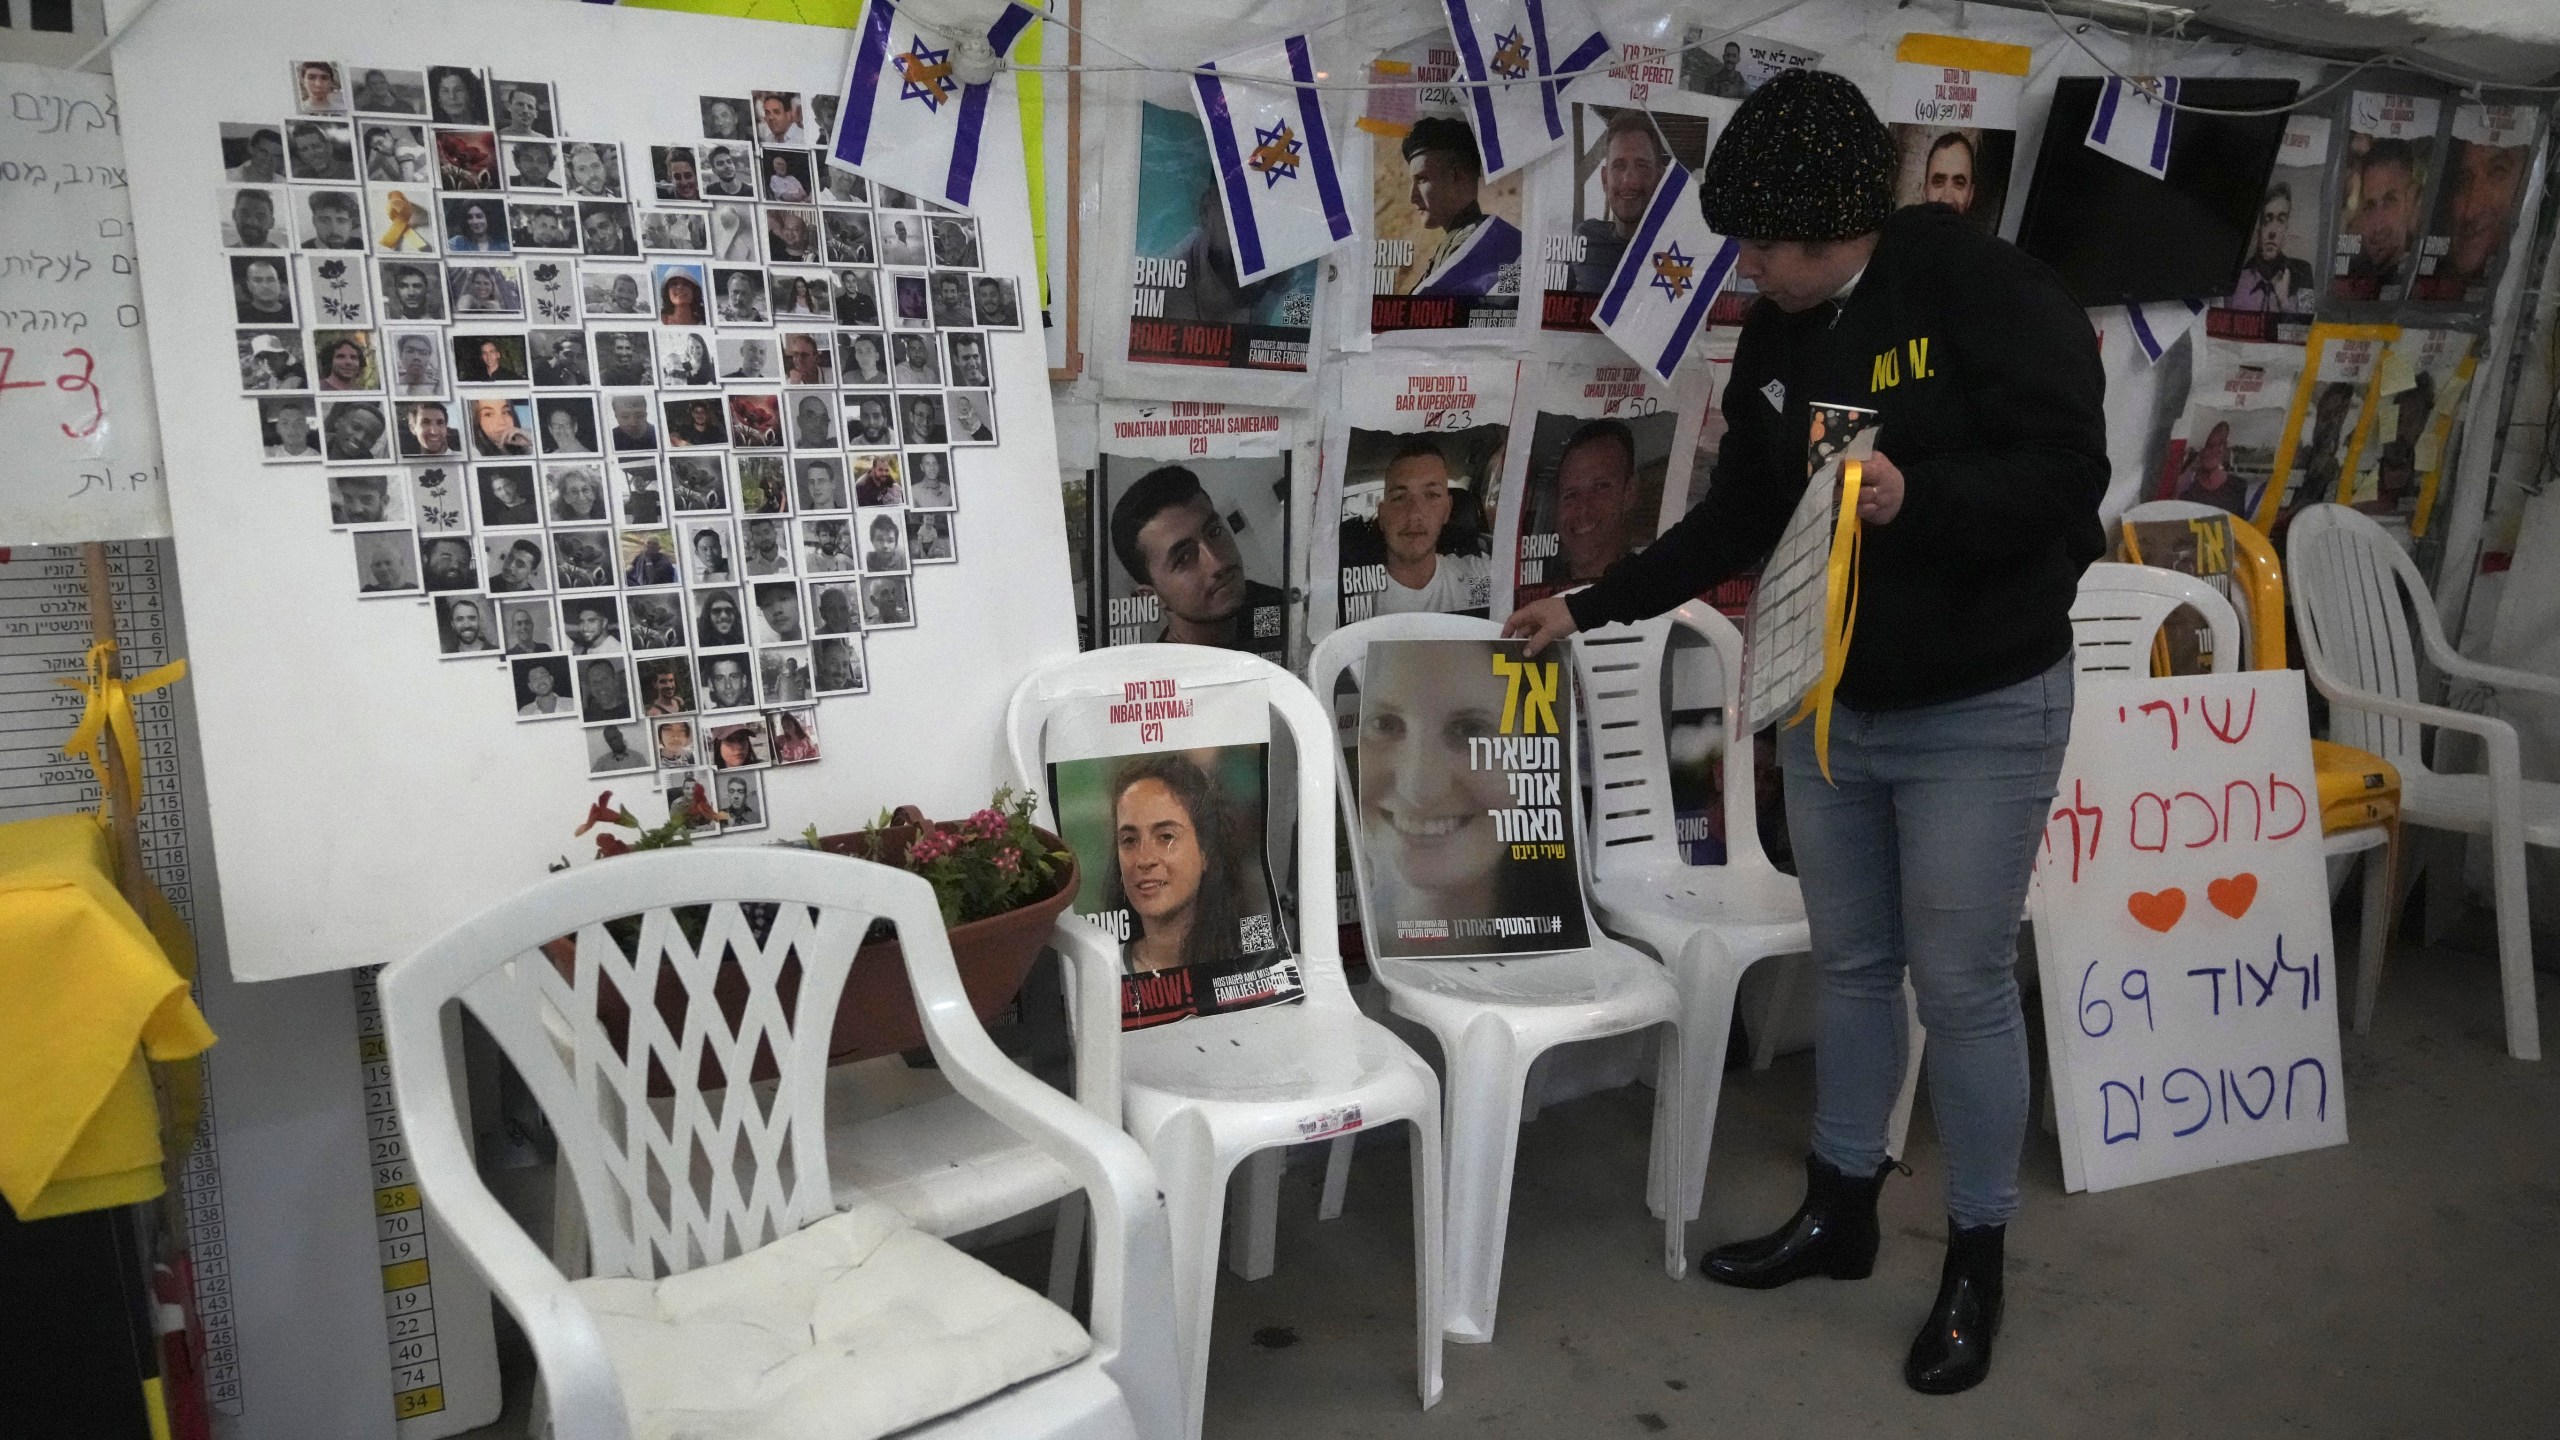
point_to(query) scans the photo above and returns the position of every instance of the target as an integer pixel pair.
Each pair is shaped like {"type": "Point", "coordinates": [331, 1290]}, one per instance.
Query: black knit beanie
{"type": "Point", "coordinates": [1805, 158]}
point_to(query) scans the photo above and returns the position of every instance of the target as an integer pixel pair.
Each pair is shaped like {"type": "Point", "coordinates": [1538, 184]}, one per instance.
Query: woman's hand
{"type": "Point", "coordinates": [1540, 622]}
{"type": "Point", "coordinates": [1879, 491]}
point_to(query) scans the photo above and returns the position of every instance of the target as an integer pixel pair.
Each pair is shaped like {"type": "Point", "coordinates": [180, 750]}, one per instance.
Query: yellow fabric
{"type": "Point", "coordinates": [1839, 615]}
{"type": "Point", "coordinates": [86, 991]}
{"type": "Point", "coordinates": [2357, 787]}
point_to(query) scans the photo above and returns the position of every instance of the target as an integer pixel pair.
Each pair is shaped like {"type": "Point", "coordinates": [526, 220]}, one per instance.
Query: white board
{"type": "Point", "coordinates": [76, 415]}
{"type": "Point", "coordinates": [2182, 931]}
{"type": "Point", "coordinates": [366, 795]}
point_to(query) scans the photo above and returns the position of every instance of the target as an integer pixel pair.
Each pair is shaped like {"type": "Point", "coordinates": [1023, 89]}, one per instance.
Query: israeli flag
{"type": "Point", "coordinates": [906, 121]}
{"type": "Point", "coordinates": [1521, 54]}
{"type": "Point", "coordinates": [1276, 175]}
{"type": "Point", "coordinates": [2133, 126]}
{"type": "Point", "coordinates": [2161, 324]}
{"type": "Point", "coordinates": [1673, 268]}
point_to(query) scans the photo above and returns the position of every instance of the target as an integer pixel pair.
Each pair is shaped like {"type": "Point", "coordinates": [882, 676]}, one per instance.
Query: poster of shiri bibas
{"type": "Point", "coordinates": [1593, 205]}
{"type": "Point", "coordinates": [1446, 243]}
{"type": "Point", "coordinates": [1590, 447]}
{"type": "Point", "coordinates": [1161, 792]}
{"type": "Point", "coordinates": [1185, 304]}
{"type": "Point", "coordinates": [1193, 501]}
{"type": "Point", "coordinates": [1466, 793]}
{"type": "Point", "coordinates": [1417, 450]}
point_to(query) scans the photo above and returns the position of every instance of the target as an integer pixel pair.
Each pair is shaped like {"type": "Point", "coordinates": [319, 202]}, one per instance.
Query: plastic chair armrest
{"type": "Point", "coordinates": [577, 1373]}
{"type": "Point", "coordinates": [1093, 988]}
{"type": "Point", "coordinates": [2454, 662]}
{"type": "Point", "coordinates": [2497, 736]}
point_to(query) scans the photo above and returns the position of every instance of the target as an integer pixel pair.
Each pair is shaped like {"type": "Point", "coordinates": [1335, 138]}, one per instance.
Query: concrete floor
{"type": "Point", "coordinates": [2405, 1284]}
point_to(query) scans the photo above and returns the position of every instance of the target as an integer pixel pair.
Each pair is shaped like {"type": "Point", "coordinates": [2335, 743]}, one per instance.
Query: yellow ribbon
{"type": "Point", "coordinates": [108, 717]}
{"type": "Point", "coordinates": [1839, 615]}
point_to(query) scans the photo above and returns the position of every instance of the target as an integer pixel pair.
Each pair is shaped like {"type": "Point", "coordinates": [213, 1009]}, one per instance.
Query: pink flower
{"type": "Point", "coordinates": [605, 812]}
{"type": "Point", "coordinates": [989, 822]}
{"type": "Point", "coordinates": [1008, 860]}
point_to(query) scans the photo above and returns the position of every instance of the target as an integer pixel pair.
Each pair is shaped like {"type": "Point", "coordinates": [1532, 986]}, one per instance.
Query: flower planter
{"type": "Point", "coordinates": [877, 1015]}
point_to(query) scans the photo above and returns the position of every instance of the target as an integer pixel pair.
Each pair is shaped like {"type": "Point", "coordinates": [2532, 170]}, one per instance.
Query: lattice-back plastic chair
{"type": "Point", "coordinates": [1708, 923]}
{"type": "Point", "coordinates": [2353, 591]}
{"type": "Point", "coordinates": [1204, 1094]}
{"type": "Point", "coordinates": [1495, 1017]}
{"type": "Point", "coordinates": [717, 1252]}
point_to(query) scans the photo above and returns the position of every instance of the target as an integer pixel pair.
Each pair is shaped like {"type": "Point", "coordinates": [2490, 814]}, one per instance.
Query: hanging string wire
{"type": "Point", "coordinates": [2149, 85]}
{"type": "Point", "coordinates": [1140, 65]}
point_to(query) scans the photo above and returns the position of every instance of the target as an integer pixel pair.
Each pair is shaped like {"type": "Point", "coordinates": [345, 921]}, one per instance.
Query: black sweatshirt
{"type": "Point", "coordinates": [1985, 377]}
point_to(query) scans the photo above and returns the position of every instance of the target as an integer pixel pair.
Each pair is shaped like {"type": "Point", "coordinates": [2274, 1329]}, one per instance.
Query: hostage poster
{"type": "Point", "coordinates": [1193, 500]}
{"type": "Point", "coordinates": [2416, 396]}
{"type": "Point", "coordinates": [1466, 793]}
{"type": "Point", "coordinates": [1446, 244]}
{"type": "Point", "coordinates": [1954, 116]}
{"type": "Point", "coordinates": [2278, 286]}
{"type": "Point", "coordinates": [2475, 214]}
{"type": "Point", "coordinates": [2383, 182]}
{"type": "Point", "coordinates": [1161, 790]}
{"type": "Point", "coordinates": [2223, 450]}
{"type": "Point", "coordinates": [2330, 413]}
{"type": "Point", "coordinates": [1185, 306]}
{"type": "Point", "coordinates": [1590, 447]}
{"type": "Point", "coordinates": [1417, 452]}
{"type": "Point", "coordinates": [1594, 202]}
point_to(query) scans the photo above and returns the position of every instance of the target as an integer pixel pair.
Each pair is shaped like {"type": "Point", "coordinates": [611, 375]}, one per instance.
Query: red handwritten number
{"type": "Point", "coordinates": [73, 384]}
{"type": "Point", "coordinates": [66, 382]}
{"type": "Point", "coordinates": [9, 357]}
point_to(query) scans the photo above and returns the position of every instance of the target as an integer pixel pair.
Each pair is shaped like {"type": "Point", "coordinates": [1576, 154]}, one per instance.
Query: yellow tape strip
{"type": "Point", "coordinates": [1839, 615]}
{"type": "Point", "coordinates": [107, 717]}
{"type": "Point", "coordinates": [1957, 52]}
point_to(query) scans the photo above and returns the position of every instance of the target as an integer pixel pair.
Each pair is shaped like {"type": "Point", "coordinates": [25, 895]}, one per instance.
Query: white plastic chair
{"type": "Point", "coordinates": [1707, 923]}
{"type": "Point", "coordinates": [725, 1191]}
{"type": "Point", "coordinates": [905, 1137]}
{"type": "Point", "coordinates": [1494, 1018]}
{"type": "Point", "coordinates": [2119, 610]}
{"type": "Point", "coordinates": [1204, 1094]}
{"type": "Point", "coordinates": [2352, 588]}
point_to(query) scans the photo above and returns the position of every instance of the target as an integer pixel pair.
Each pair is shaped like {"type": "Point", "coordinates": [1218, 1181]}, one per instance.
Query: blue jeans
{"type": "Point", "coordinates": [1919, 855]}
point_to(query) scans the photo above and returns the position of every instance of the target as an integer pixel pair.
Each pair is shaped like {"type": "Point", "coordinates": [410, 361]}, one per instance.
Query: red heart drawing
{"type": "Point", "coordinates": [2158, 911]}
{"type": "Point", "coordinates": [2234, 896]}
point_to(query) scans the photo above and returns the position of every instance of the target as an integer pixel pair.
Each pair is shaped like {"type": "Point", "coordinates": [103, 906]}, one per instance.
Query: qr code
{"type": "Point", "coordinates": [1266, 622]}
{"type": "Point", "coordinates": [1257, 936]}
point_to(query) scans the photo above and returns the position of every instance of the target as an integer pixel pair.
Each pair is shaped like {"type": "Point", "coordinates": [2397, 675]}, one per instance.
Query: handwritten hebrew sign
{"type": "Point", "coordinates": [2182, 930]}
{"type": "Point", "coordinates": [76, 416]}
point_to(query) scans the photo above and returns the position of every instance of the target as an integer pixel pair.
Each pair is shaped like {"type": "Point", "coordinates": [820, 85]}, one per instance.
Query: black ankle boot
{"type": "Point", "coordinates": [1953, 1350]}
{"type": "Point", "coordinates": [1832, 1233]}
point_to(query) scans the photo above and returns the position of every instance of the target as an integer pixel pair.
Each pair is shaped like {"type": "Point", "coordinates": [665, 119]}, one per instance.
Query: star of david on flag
{"type": "Point", "coordinates": [905, 120]}
{"type": "Point", "coordinates": [926, 73]}
{"type": "Point", "coordinates": [2131, 125]}
{"type": "Point", "coordinates": [1673, 272]}
{"type": "Point", "coordinates": [1275, 154]}
{"type": "Point", "coordinates": [1524, 54]}
{"type": "Point", "coordinates": [1277, 132]}
{"type": "Point", "coordinates": [1658, 299]}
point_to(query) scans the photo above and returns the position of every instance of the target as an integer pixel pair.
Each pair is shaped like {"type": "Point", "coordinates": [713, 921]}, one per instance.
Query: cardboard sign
{"type": "Point", "coordinates": [76, 416]}
{"type": "Point", "coordinates": [2182, 931]}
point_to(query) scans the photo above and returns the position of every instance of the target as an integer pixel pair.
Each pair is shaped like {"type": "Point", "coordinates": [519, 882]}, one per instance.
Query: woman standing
{"type": "Point", "coordinates": [1979, 511]}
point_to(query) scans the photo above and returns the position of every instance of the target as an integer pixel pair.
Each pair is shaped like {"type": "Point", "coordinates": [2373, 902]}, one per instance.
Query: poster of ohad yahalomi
{"type": "Point", "coordinates": [1185, 304]}
{"type": "Point", "coordinates": [1467, 840]}
{"type": "Point", "coordinates": [1591, 445]}
{"type": "Point", "coordinates": [1161, 793]}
